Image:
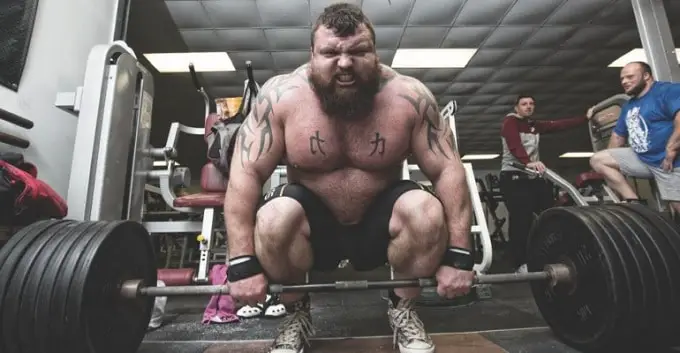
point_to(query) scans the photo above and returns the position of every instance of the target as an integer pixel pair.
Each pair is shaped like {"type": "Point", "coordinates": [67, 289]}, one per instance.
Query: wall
{"type": "Point", "coordinates": [63, 35]}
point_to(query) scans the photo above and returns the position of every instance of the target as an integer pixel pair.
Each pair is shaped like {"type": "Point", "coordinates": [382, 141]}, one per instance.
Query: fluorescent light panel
{"type": "Point", "coordinates": [432, 58]}
{"type": "Point", "coordinates": [179, 62]}
{"type": "Point", "coordinates": [636, 55]}
{"type": "Point", "coordinates": [577, 155]}
{"type": "Point", "coordinates": [473, 157]}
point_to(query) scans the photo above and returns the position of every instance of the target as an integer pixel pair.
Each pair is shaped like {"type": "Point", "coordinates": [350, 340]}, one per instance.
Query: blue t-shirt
{"type": "Point", "coordinates": [647, 122]}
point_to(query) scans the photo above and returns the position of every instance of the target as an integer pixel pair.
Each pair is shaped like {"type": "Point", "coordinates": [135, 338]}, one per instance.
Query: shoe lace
{"type": "Point", "coordinates": [295, 330]}
{"type": "Point", "coordinates": [407, 323]}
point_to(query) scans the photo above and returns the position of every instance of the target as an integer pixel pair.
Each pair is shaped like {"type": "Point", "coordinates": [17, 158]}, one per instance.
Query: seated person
{"type": "Point", "coordinates": [344, 123]}
{"type": "Point", "coordinates": [650, 121]}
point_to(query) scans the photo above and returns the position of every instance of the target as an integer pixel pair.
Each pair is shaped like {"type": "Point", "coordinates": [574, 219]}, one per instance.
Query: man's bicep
{"type": "Point", "coordinates": [259, 145]}
{"type": "Point", "coordinates": [672, 100]}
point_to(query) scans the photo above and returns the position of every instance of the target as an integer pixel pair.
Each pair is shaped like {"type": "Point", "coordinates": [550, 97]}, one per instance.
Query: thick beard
{"type": "Point", "coordinates": [637, 89]}
{"type": "Point", "coordinates": [354, 103]}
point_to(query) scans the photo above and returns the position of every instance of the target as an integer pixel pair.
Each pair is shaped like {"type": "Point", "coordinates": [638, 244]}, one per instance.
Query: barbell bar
{"type": "Point", "coordinates": [604, 278]}
{"type": "Point", "coordinates": [556, 273]}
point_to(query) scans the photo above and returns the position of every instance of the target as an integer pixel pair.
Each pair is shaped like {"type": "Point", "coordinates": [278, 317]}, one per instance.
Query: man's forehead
{"type": "Point", "coordinates": [327, 37]}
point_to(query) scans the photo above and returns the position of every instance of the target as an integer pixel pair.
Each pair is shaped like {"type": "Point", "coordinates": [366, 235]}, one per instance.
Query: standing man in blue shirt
{"type": "Point", "coordinates": [650, 123]}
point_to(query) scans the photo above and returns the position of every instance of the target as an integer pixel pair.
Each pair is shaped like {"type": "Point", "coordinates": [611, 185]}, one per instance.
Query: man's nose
{"type": "Point", "coordinates": [345, 61]}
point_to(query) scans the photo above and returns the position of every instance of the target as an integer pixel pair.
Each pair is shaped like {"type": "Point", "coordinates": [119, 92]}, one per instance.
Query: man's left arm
{"type": "Point", "coordinates": [548, 126]}
{"type": "Point", "coordinates": [672, 107]}
{"type": "Point", "coordinates": [435, 151]}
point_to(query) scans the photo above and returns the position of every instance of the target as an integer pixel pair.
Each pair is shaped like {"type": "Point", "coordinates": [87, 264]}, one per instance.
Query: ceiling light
{"type": "Point", "coordinates": [577, 155]}
{"type": "Point", "coordinates": [636, 55]}
{"type": "Point", "coordinates": [473, 157]}
{"type": "Point", "coordinates": [432, 58]}
{"type": "Point", "coordinates": [179, 62]}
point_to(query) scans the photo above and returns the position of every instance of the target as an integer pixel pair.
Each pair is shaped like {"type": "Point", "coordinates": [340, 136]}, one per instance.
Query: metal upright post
{"type": "Point", "coordinates": [657, 41]}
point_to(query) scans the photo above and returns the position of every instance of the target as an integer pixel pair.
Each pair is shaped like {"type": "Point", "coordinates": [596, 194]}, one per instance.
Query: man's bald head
{"type": "Point", "coordinates": [636, 78]}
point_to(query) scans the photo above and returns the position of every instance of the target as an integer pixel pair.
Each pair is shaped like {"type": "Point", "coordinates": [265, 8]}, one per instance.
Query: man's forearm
{"type": "Point", "coordinates": [454, 193]}
{"type": "Point", "coordinates": [616, 141]}
{"type": "Point", "coordinates": [243, 193]}
{"type": "Point", "coordinates": [674, 140]}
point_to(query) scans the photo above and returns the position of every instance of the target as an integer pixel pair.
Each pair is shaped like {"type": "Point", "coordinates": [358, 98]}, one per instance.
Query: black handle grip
{"type": "Point", "coordinates": [13, 140]}
{"type": "Point", "coordinates": [194, 76]}
{"type": "Point", "coordinates": [15, 119]}
{"type": "Point", "coordinates": [518, 165]}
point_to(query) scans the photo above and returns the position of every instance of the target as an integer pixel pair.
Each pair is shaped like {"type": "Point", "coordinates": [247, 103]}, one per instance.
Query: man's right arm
{"type": "Point", "coordinates": [259, 148]}
{"type": "Point", "coordinates": [619, 133]}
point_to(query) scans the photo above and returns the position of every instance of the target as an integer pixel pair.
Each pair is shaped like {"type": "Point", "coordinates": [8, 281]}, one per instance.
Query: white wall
{"type": "Point", "coordinates": [63, 35]}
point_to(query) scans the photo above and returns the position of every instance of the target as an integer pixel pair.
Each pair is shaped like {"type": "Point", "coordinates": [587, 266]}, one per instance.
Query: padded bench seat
{"type": "Point", "coordinates": [585, 178]}
{"type": "Point", "coordinates": [213, 187]}
{"type": "Point", "coordinates": [201, 199]}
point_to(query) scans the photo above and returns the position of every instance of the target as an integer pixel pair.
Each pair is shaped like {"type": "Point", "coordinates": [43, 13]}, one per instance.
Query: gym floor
{"type": "Point", "coordinates": [357, 322]}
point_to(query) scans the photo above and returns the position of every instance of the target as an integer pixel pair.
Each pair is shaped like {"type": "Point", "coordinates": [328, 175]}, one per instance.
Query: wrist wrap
{"type": "Point", "coordinates": [458, 258]}
{"type": "Point", "coordinates": [242, 267]}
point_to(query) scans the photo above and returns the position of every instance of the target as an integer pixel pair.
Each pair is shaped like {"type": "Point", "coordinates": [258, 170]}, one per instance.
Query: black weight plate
{"type": "Point", "coordinates": [35, 303]}
{"type": "Point", "coordinates": [653, 242]}
{"type": "Point", "coordinates": [25, 269]}
{"type": "Point", "coordinates": [123, 253]}
{"type": "Point", "coordinates": [60, 319]}
{"type": "Point", "coordinates": [11, 254]}
{"type": "Point", "coordinates": [583, 315]}
{"type": "Point", "coordinates": [664, 229]}
{"type": "Point", "coordinates": [617, 234]}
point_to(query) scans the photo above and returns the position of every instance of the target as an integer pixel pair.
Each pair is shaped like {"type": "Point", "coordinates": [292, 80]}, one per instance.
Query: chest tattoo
{"type": "Point", "coordinates": [316, 144]}
{"type": "Point", "coordinates": [378, 144]}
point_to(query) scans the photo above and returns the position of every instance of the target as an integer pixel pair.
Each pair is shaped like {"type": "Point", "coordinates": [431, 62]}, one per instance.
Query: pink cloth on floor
{"type": "Point", "coordinates": [221, 308]}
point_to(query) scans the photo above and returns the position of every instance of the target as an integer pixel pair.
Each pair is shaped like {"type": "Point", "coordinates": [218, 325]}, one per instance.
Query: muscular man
{"type": "Point", "coordinates": [650, 122]}
{"type": "Point", "coordinates": [524, 196]}
{"type": "Point", "coordinates": [343, 124]}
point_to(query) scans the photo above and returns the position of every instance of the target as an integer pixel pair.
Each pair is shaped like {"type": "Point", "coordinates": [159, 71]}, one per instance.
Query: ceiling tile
{"type": "Point", "coordinates": [201, 40]}
{"type": "Point", "coordinates": [494, 87]}
{"type": "Point", "coordinates": [289, 59]}
{"type": "Point", "coordinates": [509, 74]}
{"type": "Point", "coordinates": [530, 12]}
{"type": "Point", "coordinates": [437, 87]}
{"type": "Point", "coordinates": [615, 14]}
{"type": "Point", "coordinates": [187, 14]}
{"type": "Point", "coordinates": [629, 38]}
{"type": "Point", "coordinates": [549, 37]}
{"type": "Point", "coordinates": [508, 37]}
{"type": "Point", "coordinates": [288, 38]}
{"type": "Point", "coordinates": [483, 12]}
{"type": "Point", "coordinates": [464, 87]}
{"type": "Point", "coordinates": [423, 37]}
{"type": "Point", "coordinates": [528, 57]}
{"type": "Point", "coordinates": [434, 12]}
{"type": "Point", "coordinates": [574, 12]}
{"type": "Point", "coordinates": [232, 13]}
{"type": "Point", "coordinates": [466, 37]}
{"type": "Point", "coordinates": [487, 57]}
{"type": "Point", "coordinates": [564, 57]}
{"type": "Point", "coordinates": [384, 13]}
{"type": "Point", "coordinates": [388, 37]}
{"type": "Point", "coordinates": [475, 74]}
{"type": "Point", "coordinates": [482, 99]}
{"type": "Point", "coordinates": [544, 74]}
{"type": "Point", "coordinates": [242, 39]}
{"type": "Point", "coordinates": [284, 13]}
{"type": "Point", "coordinates": [440, 75]}
{"type": "Point", "coordinates": [592, 37]}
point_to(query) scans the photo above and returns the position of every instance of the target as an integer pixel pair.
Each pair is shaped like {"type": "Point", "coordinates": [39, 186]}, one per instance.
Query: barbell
{"type": "Point", "coordinates": [605, 278]}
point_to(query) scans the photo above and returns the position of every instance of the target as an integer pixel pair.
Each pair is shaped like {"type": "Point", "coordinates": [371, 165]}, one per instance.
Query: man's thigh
{"type": "Point", "coordinates": [629, 163]}
{"type": "Point", "coordinates": [369, 245]}
{"type": "Point", "coordinates": [668, 184]}
{"type": "Point", "coordinates": [322, 225]}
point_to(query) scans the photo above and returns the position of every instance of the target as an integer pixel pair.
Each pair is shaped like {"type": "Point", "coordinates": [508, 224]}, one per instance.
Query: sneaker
{"type": "Point", "coordinates": [295, 330]}
{"type": "Point", "coordinates": [522, 269]}
{"type": "Point", "coordinates": [409, 331]}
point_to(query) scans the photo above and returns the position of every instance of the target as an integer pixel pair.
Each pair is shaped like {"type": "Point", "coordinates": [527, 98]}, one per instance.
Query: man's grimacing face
{"type": "Point", "coordinates": [345, 72]}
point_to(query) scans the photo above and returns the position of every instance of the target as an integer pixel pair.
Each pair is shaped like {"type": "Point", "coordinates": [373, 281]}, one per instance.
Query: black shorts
{"type": "Point", "coordinates": [364, 244]}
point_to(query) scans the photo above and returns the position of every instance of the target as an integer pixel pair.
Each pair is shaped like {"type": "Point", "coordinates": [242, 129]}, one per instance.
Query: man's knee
{"type": "Point", "coordinates": [279, 221]}
{"type": "Point", "coordinates": [603, 159]}
{"type": "Point", "coordinates": [419, 215]}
